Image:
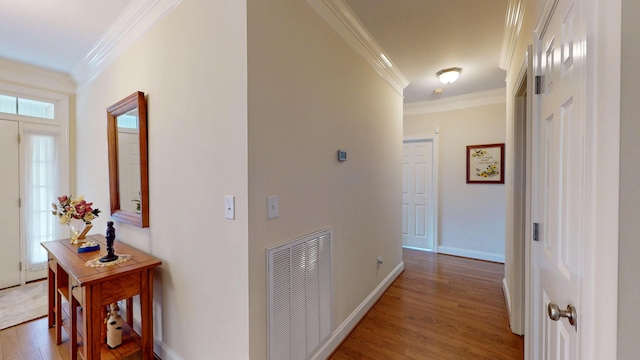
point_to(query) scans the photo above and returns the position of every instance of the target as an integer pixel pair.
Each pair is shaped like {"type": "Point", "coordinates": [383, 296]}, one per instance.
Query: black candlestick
{"type": "Point", "coordinates": [111, 236]}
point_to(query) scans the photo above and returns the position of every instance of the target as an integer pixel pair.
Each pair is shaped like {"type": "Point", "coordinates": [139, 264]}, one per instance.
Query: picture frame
{"type": "Point", "coordinates": [485, 164]}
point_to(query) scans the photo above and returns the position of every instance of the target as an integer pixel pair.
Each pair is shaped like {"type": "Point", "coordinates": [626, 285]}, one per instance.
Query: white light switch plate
{"type": "Point", "coordinates": [230, 207]}
{"type": "Point", "coordinates": [273, 207]}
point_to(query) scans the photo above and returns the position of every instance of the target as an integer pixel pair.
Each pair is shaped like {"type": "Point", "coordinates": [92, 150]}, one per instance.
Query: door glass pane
{"type": "Point", "coordinates": [8, 104]}
{"type": "Point", "coordinates": [35, 108]}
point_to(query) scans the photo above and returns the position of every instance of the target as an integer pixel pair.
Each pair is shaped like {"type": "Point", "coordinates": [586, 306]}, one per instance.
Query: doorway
{"type": "Point", "coordinates": [419, 193]}
{"type": "Point", "coordinates": [34, 155]}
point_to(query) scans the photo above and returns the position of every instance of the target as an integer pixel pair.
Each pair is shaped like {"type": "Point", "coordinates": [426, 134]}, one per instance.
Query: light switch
{"type": "Point", "coordinates": [273, 207]}
{"type": "Point", "coordinates": [230, 207]}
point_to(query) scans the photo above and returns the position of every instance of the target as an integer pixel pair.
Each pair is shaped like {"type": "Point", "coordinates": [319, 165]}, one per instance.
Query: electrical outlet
{"type": "Point", "coordinates": [230, 207]}
{"type": "Point", "coordinates": [273, 207]}
{"type": "Point", "coordinates": [380, 260]}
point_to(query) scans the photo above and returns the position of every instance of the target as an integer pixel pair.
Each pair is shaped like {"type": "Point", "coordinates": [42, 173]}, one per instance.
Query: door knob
{"type": "Point", "coordinates": [555, 313]}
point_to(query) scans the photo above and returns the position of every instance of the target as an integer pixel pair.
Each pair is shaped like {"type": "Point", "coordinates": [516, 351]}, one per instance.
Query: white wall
{"type": "Point", "coordinates": [471, 216]}
{"type": "Point", "coordinates": [310, 95]}
{"type": "Point", "coordinates": [192, 66]}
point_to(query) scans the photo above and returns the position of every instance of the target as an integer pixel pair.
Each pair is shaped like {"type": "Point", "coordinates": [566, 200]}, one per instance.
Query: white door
{"type": "Point", "coordinates": [559, 131]}
{"type": "Point", "coordinates": [10, 210]}
{"type": "Point", "coordinates": [418, 195]}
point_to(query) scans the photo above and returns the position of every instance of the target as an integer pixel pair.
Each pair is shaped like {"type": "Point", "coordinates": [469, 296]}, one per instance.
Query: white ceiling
{"type": "Point", "coordinates": [424, 36]}
{"type": "Point", "coordinates": [419, 36]}
{"type": "Point", "coordinates": [54, 34]}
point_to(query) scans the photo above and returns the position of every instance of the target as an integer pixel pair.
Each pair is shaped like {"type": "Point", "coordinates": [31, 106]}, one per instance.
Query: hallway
{"type": "Point", "coordinates": [442, 307]}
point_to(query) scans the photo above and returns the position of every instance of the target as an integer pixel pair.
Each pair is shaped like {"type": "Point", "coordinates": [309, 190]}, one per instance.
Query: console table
{"type": "Point", "coordinates": [79, 294]}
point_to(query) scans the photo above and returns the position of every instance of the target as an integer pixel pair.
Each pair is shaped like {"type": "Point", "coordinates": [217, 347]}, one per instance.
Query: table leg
{"type": "Point", "coordinates": [129, 304]}
{"type": "Point", "coordinates": [51, 279]}
{"type": "Point", "coordinates": [58, 318]}
{"type": "Point", "coordinates": [73, 318]}
{"type": "Point", "coordinates": [93, 322]}
{"type": "Point", "coordinates": [146, 313]}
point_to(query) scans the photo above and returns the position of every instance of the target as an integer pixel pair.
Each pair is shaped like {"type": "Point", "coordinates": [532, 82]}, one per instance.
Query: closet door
{"type": "Point", "coordinates": [10, 209]}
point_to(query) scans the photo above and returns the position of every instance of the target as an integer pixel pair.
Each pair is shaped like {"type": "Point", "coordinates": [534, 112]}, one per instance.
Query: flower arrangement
{"type": "Point", "coordinates": [68, 208]}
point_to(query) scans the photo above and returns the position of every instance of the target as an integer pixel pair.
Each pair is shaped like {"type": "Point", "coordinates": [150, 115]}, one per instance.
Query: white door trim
{"type": "Point", "coordinates": [433, 138]}
{"type": "Point", "coordinates": [600, 294]}
{"type": "Point", "coordinates": [520, 190]}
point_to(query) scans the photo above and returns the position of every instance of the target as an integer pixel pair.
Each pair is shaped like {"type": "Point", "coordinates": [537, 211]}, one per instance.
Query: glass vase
{"type": "Point", "coordinates": [77, 227]}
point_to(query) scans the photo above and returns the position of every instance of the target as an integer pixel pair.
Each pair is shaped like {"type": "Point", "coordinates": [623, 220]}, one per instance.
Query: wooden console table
{"type": "Point", "coordinates": [80, 294]}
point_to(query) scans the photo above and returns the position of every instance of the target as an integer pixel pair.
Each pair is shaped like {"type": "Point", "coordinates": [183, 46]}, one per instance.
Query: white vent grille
{"type": "Point", "coordinates": [299, 286]}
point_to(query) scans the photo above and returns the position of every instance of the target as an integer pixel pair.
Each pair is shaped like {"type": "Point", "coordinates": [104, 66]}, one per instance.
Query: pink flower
{"type": "Point", "coordinates": [80, 209]}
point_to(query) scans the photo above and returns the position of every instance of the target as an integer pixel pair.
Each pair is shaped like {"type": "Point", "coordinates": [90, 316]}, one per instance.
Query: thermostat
{"type": "Point", "coordinates": [342, 155]}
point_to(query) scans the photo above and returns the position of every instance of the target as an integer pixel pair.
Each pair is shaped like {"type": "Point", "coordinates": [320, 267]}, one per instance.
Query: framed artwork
{"type": "Point", "coordinates": [485, 164]}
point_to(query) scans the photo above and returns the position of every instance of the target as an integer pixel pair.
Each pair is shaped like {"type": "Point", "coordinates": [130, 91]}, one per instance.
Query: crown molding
{"type": "Point", "coordinates": [490, 97]}
{"type": "Point", "coordinates": [342, 19]}
{"type": "Point", "coordinates": [134, 21]}
{"type": "Point", "coordinates": [544, 18]}
{"type": "Point", "coordinates": [512, 26]}
{"type": "Point", "coordinates": [35, 77]}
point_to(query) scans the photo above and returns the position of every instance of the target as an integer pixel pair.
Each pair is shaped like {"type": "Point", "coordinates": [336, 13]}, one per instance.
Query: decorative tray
{"type": "Point", "coordinates": [89, 246]}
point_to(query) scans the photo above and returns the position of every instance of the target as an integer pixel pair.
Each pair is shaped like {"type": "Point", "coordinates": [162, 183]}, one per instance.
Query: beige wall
{"type": "Point", "coordinates": [192, 66]}
{"type": "Point", "coordinates": [310, 95]}
{"type": "Point", "coordinates": [629, 250]}
{"type": "Point", "coordinates": [471, 216]}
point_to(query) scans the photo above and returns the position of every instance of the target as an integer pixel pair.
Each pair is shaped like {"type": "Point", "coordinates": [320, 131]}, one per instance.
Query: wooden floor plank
{"type": "Point", "coordinates": [440, 307]}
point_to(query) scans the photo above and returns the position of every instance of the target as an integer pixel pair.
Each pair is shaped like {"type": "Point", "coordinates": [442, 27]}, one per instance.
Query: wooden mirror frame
{"type": "Point", "coordinates": [135, 100]}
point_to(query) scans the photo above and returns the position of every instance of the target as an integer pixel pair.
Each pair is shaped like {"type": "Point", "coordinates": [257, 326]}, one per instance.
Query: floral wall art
{"type": "Point", "coordinates": [485, 164]}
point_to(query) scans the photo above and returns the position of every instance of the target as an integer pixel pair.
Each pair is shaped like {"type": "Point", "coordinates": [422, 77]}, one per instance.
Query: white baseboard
{"type": "Point", "coordinates": [163, 351]}
{"type": "Point", "coordinates": [350, 323]}
{"type": "Point", "coordinates": [473, 254]}
{"type": "Point", "coordinates": [512, 317]}
{"type": "Point", "coordinates": [507, 298]}
{"type": "Point", "coordinates": [419, 249]}
{"type": "Point", "coordinates": [160, 349]}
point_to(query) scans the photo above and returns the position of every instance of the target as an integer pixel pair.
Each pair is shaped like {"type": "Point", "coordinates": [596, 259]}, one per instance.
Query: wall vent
{"type": "Point", "coordinates": [299, 296]}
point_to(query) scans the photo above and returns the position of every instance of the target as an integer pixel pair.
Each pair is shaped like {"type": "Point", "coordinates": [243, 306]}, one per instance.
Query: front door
{"type": "Point", "coordinates": [418, 195]}
{"type": "Point", "coordinates": [10, 210]}
{"type": "Point", "coordinates": [559, 133]}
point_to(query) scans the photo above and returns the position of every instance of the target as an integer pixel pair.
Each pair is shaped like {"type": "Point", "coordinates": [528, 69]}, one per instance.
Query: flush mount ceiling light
{"type": "Point", "coordinates": [447, 76]}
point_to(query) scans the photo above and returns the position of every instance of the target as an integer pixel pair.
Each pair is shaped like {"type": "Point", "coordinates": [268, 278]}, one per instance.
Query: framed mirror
{"type": "Point", "coordinates": [128, 175]}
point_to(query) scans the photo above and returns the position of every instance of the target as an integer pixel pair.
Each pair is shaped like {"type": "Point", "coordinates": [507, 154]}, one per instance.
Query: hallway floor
{"type": "Point", "coordinates": [441, 307]}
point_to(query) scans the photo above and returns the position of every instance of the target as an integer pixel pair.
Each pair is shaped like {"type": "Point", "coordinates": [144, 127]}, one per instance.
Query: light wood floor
{"type": "Point", "coordinates": [33, 341]}
{"type": "Point", "coordinates": [442, 307]}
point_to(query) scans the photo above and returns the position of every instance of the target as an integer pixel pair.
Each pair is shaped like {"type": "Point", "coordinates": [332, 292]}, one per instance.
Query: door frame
{"type": "Point", "coordinates": [434, 139]}
{"type": "Point", "coordinates": [60, 121]}
{"type": "Point", "coordinates": [521, 197]}
{"type": "Point", "coordinates": [600, 296]}
{"type": "Point", "coordinates": [598, 293]}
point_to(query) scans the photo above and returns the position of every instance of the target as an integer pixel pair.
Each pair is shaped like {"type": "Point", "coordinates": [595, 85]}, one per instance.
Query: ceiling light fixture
{"type": "Point", "coordinates": [447, 76]}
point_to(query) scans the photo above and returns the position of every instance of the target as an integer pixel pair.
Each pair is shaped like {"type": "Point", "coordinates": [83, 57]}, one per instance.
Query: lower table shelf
{"type": "Point", "coordinates": [130, 339]}
{"type": "Point", "coordinates": [130, 345]}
